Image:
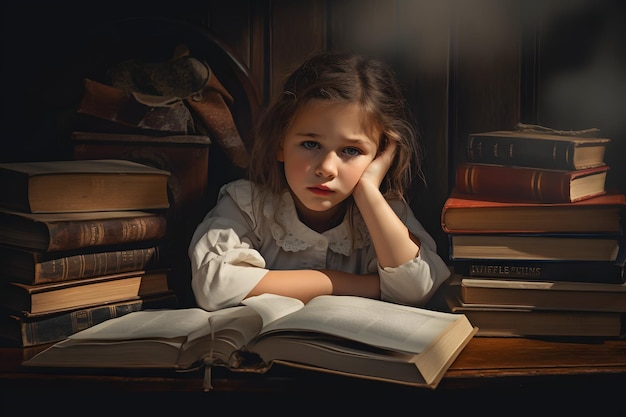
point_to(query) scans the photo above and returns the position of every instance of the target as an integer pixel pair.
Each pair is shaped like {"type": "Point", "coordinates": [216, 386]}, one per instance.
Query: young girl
{"type": "Point", "coordinates": [323, 210]}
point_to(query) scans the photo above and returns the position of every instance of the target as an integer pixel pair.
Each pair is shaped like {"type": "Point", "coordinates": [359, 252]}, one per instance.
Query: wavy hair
{"type": "Point", "coordinates": [341, 77]}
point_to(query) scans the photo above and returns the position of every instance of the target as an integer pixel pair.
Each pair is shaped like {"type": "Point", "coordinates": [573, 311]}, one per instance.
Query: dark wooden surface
{"type": "Point", "coordinates": [490, 377]}
{"type": "Point", "coordinates": [486, 363]}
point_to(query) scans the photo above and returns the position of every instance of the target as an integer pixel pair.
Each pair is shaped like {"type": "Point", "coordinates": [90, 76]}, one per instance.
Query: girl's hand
{"type": "Point", "coordinates": [377, 169]}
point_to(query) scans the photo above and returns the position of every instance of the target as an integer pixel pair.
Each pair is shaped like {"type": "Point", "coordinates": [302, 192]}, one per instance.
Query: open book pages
{"type": "Point", "coordinates": [339, 334]}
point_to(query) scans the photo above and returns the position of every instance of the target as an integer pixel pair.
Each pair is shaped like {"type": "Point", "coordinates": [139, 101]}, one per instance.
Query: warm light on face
{"type": "Point", "coordinates": [325, 151]}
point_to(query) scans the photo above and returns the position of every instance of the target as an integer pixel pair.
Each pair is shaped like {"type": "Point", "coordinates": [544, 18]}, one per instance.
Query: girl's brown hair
{"type": "Point", "coordinates": [348, 78]}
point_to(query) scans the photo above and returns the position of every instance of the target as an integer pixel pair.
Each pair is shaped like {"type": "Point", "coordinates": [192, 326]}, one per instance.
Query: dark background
{"type": "Point", "coordinates": [466, 66]}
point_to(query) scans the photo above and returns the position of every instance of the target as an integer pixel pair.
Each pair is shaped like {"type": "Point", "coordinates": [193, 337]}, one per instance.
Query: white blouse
{"type": "Point", "coordinates": [239, 241]}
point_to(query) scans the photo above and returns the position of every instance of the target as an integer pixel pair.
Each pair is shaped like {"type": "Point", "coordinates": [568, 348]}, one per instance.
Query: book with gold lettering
{"type": "Point", "coordinates": [538, 270]}
{"type": "Point", "coordinates": [531, 184]}
{"type": "Point", "coordinates": [34, 268]}
{"type": "Point", "coordinates": [51, 232]}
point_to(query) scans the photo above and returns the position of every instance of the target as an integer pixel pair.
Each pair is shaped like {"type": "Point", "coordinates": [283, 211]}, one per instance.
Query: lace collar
{"type": "Point", "coordinates": [293, 236]}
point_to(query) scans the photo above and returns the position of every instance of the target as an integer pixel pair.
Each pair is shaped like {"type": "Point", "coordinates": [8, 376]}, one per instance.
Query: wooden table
{"type": "Point", "coordinates": [566, 374]}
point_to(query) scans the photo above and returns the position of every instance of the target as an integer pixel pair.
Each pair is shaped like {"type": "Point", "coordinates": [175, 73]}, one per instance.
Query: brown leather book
{"type": "Point", "coordinates": [33, 268]}
{"type": "Point", "coordinates": [530, 184]}
{"type": "Point", "coordinates": [51, 232]}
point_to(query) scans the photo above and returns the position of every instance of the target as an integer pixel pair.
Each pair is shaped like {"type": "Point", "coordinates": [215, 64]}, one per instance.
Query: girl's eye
{"type": "Point", "coordinates": [352, 151]}
{"type": "Point", "coordinates": [309, 144]}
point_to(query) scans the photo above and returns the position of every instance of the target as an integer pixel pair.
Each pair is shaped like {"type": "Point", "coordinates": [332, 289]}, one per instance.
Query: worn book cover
{"type": "Point", "coordinates": [51, 232]}
{"type": "Point", "coordinates": [471, 213]}
{"type": "Point", "coordinates": [530, 184]}
{"type": "Point", "coordinates": [352, 336]}
{"type": "Point", "coordinates": [34, 268]}
{"type": "Point", "coordinates": [537, 150]}
{"type": "Point", "coordinates": [82, 185]}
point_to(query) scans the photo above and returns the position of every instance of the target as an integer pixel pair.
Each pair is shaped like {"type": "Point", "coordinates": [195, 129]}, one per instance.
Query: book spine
{"type": "Point", "coordinates": [94, 264]}
{"type": "Point", "coordinates": [523, 184]}
{"type": "Point", "coordinates": [521, 152]}
{"type": "Point", "coordinates": [58, 327]}
{"type": "Point", "coordinates": [82, 234]}
{"type": "Point", "coordinates": [590, 271]}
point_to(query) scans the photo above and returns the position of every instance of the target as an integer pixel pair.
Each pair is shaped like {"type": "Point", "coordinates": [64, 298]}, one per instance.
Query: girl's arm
{"type": "Point", "coordinates": [393, 242]}
{"type": "Point", "coordinates": [311, 283]}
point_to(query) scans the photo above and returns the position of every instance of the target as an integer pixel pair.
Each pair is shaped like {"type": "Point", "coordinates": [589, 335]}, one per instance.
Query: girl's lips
{"type": "Point", "coordinates": [320, 190]}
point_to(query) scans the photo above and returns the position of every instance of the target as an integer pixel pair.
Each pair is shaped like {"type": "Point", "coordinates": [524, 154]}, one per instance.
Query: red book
{"type": "Point", "coordinates": [468, 213]}
{"type": "Point", "coordinates": [530, 184]}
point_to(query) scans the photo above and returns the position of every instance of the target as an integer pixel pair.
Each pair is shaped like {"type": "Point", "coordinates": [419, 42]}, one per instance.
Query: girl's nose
{"type": "Point", "coordinates": [327, 166]}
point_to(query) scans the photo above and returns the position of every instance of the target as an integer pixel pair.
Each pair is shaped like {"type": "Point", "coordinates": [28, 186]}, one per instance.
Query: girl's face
{"type": "Point", "coordinates": [325, 151]}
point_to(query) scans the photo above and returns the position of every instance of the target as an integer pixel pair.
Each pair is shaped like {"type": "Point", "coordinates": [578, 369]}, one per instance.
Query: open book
{"type": "Point", "coordinates": [348, 335]}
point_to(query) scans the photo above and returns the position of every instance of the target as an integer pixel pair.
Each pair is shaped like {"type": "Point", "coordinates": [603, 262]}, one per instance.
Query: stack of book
{"type": "Point", "coordinates": [79, 243]}
{"type": "Point", "coordinates": [536, 239]}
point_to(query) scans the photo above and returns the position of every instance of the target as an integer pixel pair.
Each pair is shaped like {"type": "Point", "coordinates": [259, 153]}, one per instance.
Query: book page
{"type": "Point", "coordinates": [378, 323]}
{"type": "Point", "coordinates": [272, 307]}
{"type": "Point", "coordinates": [147, 324]}
{"type": "Point", "coordinates": [190, 323]}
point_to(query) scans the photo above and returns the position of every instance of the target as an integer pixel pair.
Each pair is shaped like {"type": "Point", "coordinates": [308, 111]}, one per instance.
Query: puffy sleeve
{"type": "Point", "coordinates": [414, 282]}
{"type": "Point", "coordinates": [225, 265]}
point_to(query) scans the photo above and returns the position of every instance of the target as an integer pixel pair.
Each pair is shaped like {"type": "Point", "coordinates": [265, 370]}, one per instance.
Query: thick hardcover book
{"type": "Point", "coordinates": [548, 295]}
{"type": "Point", "coordinates": [87, 185]}
{"type": "Point", "coordinates": [346, 335]}
{"type": "Point", "coordinates": [529, 247]}
{"type": "Point", "coordinates": [33, 268]}
{"type": "Point", "coordinates": [530, 184]}
{"type": "Point", "coordinates": [51, 232]}
{"type": "Point", "coordinates": [468, 213]}
{"type": "Point", "coordinates": [574, 271]}
{"type": "Point", "coordinates": [20, 331]}
{"type": "Point", "coordinates": [536, 150]}
{"type": "Point", "coordinates": [511, 321]}
{"type": "Point", "coordinates": [33, 300]}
